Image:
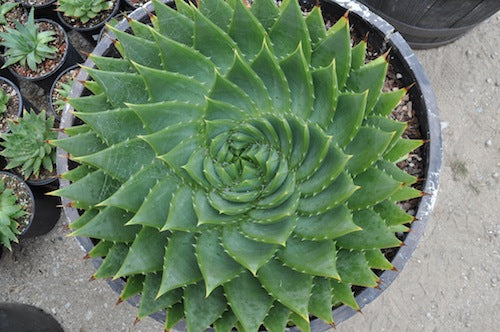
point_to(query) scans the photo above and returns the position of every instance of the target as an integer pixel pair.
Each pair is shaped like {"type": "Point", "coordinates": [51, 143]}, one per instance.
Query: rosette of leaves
{"type": "Point", "coordinates": [26, 44]}
{"type": "Point", "coordinates": [237, 165]}
{"type": "Point", "coordinates": [10, 211]}
{"type": "Point", "coordinates": [27, 147]}
{"type": "Point", "coordinates": [84, 10]}
{"type": "Point", "coordinates": [4, 99]}
{"type": "Point", "coordinates": [63, 90]}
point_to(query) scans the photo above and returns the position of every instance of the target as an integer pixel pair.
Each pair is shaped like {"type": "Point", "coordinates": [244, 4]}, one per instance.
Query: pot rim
{"type": "Point", "coordinates": [61, 18]}
{"type": "Point", "coordinates": [404, 53]}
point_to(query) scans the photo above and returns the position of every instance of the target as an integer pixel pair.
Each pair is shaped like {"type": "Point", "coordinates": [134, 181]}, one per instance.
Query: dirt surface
{"type": "Point", "coordinates": [451, 282]}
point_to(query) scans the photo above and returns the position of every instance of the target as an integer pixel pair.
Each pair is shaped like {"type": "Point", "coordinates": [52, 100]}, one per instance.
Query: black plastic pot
{"type": "Point", "coordinates": [89, 33]}
{"type": "Point", "coordinates": [50, 97]}
{"type": "Point", "coordinates": [45, 10]}
{"type": "Point", "coordinates": [382, 36]}
{"type": "Point", "coordinates": [431, 23]}
{"type": "Point", "coordinates": [70, 57]}
{"type": "Point", "coordinates": [20, 317]}
{"type": "Point", "coordinates": [46, 210]}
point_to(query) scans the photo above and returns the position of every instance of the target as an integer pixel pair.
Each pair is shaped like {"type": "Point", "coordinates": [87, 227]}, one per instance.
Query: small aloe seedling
{"type": "Point", "coordinates": [251, 179]}
{"type": "Point", "coordinates": [4, 99]}
{"type": "Point", "coordinates": [10, 211]}
{"type": "Point", "coordinates": [27, 45]}
{"type": "Point", "coordinates": [27, 145]}
{"type": "Point", "coordinates": [4, 9]}
{"type": "Point", "coordinates": [84, 10]}
{"type": "Point", "coordinates": [63, 91]}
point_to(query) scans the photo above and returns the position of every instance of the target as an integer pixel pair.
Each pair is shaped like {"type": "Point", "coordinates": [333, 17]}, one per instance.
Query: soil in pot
{"type": "Point", "coordinates": [94, 23]}
{"type": "Point", "coordinates": [14, 105]}
{"type": "Point", "coordinates": [37, 3]}
{"type": "Point", "coordinates": [136, 3]}
{"type": "Point", "coordinates": [18, 13]}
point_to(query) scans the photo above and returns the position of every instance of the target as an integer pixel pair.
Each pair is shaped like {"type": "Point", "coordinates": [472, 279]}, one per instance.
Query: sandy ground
{"type": "Point", "coordinates": [450, 284]}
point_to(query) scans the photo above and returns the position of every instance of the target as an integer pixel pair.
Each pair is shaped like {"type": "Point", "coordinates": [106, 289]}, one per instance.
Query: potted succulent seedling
{"type": "Point", "coordinates": [9, 12]}
{"type": "Point", "coordinates": [12, 209]}
{"type": "Point", "coordinates": [27, 149]}
{"type": "Point", "coordinates": [61, 89]}
{"type": "Point", "coordinates": [86, 16]}
{"type": "Point", "coordinates": [236, 166]}
{"type": "Point", "coordinates": [37, 50]}
{"type": "Point", "coordinates": [11, 103]}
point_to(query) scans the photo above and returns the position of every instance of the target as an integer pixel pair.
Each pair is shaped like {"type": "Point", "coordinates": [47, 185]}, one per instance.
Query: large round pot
{"type": "Point", "coordinates": [430, 23]}
{"type": "Point", "coordinates": [382, 37]}
{"type": "Point", "coordinates": [26, 318]}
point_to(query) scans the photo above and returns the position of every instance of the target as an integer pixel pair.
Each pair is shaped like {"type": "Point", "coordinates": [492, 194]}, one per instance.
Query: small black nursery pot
{"type": "Point", "coordinates": [25, 318]}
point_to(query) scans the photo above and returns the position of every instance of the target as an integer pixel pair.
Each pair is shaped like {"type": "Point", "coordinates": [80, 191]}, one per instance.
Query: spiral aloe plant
{"type": "Point", "coordinates": [27, 145]}
{"type": "Point", "coordinates": [237, 165]}
{"type": "Point", "coordinates": [10, 211]}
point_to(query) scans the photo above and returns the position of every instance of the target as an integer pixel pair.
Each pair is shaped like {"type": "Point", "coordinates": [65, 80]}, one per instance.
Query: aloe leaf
{"type": "Point", "coordinates": [330, 167]}
{"type": "Point", "coordinates": [311, 257]}
{"type": "Point", "coordinates": [90, 190]}
{"type": "Point", "coordinates": [225, 91]}
{"type": "Point", "coordinates": [141, 30]}
{"type": "Point", "coordinates": [145, 254]}
{"type": "Point", "coordinates": [340, 190]}
{"type": "Point", "coordinates": [131, 194]}
{"type": "Point", "coordinates": [154, 210]}
{"type": "Point", "coordinates": [80, 145]}
{"type": "Point", "coordinates": [167, 86]}
{"type": "Point", "coordinates": [188, 61]}
{"type": "Point", "coordinates": [246, 31]}
{"type": "Point", "coordinates": [388, 101]}
{"type": "Point", "coordinates": [84, 219]}
{"type": "Point", "coordinates": [300, 83]}
{"type": "Point", "coordinates": [336, 45]}
{"type": "Point", "coordinates": [347, 118]}
{"type": "Point", "coordinates": [353, 268]}
{"type": "Point", "coordinates": [369, 77]}
{"type": "Point", "coordinates": [111, 264]}
{"type": "Point", "coordinates": [173, 24]}
{"type": "Point", "coordinates": [318, 148]}
{"type": "Point", "coordinates": [103, 124]}
{"type": "Point", "coordinates": [108, 224]}
{"type": "Point", "coordinates": [101, 249]}
{"type": "Point", "coordinates": [275, 233]}
{"type": "Point", "coordinates": [179, 156]}
{"type": "Point", "coordinates": [367, 146]}
{"type": "Point", "coordinates": [119, 87]}
{"type": "Point", "coordinates": [93, 103]}
{"type": "Point", "coordinates": [376, 186]}
{"type": "Point", "coordinates": [167, 139]}
{"type": "Point", "coordinates": [392, 213]}
{"type": "Point", "coordinates": [272, 214]}
{"type": "Point", "coordinates": [316, 26]}
{"type": "Point", "coordinates": [174, 315]}
{"type": "Point", "coordinates": [184, 8]}
{"type": "Point", "coordinates": [217, 11]}
{"type": "Point", "coordinates": [401, 149]}
{"type": "Point", "coordinates": [216, 266]}
{"type": "Point", "coordinates": [277, 318]}
{"type": "Point", "coordinates": [139, 50]}
{"type": "Point", "coordinates": [180, 267]}
{"type": "Point", "coordinates": [300, 322]}
{"type": "Point", "coordinates": [377, 260]}
{"type": "Point", "coordinates": [300, 141]}
{"type": "Point", "coordinates": [227, 207]}
{"type": "Point", "coordinates": [374, 233]}
{"type": "Point", "coordinates": [181, 215]}
{"type": "Point", "coordinates": [326, 94]}
{"type": "Point", "coordinates": [218, 110]}
{"type": "Point", "coordinates": [245, 78]}
{"type": "Point", "coordinates": [266, 66]}
{"type": "Point", "coordinates": [249, 253]}
{"type": "Point", "coordinates": [290, 31]}
{"type": "Point", "coordinates": [405, 193]}
{"type": "Point", "coordinates": [342, 293]}
{"type": "Point", "coordinates": [291, 288]}
{"type": "Point", "coordinates": [213, 42]}
{"type": "Point", "coordinates": [395, 172]}
{"type": "Point", "coordinates": [248, 300]}
{"type": "Point", "coordinates": [134, 286]}
{"type": "Point", "coordinates": [111, 64]}
{"type": "Point", "coordinates": [201, 311]}
{"type": "Point", "coordinates": [226, 322]}
{"type": "Point", "coordinates": [284, 132]}
{"type": "Point", "coordinates": [387, 125]}
{"type": "Point", "coordinates": [149, 302]}
{"type": "Point", "coordinates": [358, 55]}
{"type": "Point", "coordinates": [122, 160]}
{"type": "Point", "coordinates": [320, 302]}
{"type": "Point", "coordinates": [329, 225]}
{"type": "Point", "coordinates": [266, 12]}
{"type": "Point", "coordinates": [206, 214]}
